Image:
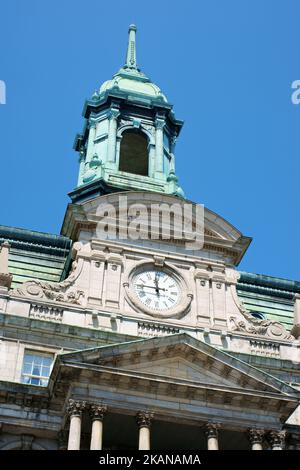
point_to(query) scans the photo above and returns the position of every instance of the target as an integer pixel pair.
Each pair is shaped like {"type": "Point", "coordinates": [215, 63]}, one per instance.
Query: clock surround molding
{"type": "Point", "coordinates": [186, 297]}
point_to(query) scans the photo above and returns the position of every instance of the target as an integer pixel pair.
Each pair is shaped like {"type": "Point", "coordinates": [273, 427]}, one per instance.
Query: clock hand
{"type": "Point", "coordinates": [156, 284]}
{"type": "Point", "coordinates": [150, 287]}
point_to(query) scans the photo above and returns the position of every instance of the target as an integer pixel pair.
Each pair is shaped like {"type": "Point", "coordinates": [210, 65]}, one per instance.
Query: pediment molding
{"type": "Point", "coordinates": [119, 373]}
{"type": "Point", "coordinates": [219, 235]}
{"type": "Point", "coordinates": [227, 371]}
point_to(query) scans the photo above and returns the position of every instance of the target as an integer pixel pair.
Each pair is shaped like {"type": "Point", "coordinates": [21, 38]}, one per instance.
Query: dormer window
{"type": "Point", "coordinates": [134, 153]}
{"type": "Point", "coordinates": [258, 315]}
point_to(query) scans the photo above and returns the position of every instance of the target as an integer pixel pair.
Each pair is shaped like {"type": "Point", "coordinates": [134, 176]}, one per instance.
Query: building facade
{"type": "Point", "coordinates": [117, 342]}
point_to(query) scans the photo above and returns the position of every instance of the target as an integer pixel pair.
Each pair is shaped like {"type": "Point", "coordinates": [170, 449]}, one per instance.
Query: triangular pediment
{"type": "Point", "coordinates": [180, 368]}
{"type": "Point", "coordinates": [182, 358]}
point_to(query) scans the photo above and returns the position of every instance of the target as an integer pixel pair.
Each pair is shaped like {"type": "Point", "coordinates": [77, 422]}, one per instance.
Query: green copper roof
{"type": "Point", "coordinates": [130, 78]}
{"type": "Point", "coordinates": [36, 255]}
{"type": "Point", "coordinates": [269, 296]}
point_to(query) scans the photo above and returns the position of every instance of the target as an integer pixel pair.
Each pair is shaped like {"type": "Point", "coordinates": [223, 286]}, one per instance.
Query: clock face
{"type": "Point", "coordinates": [156, 289]}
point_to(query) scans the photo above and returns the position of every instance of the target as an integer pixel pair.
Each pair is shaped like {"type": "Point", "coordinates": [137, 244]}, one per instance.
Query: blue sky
{"type": "Point", "coordinates": [227, 66]}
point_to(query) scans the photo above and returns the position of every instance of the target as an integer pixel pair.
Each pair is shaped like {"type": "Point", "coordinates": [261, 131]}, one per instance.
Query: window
{"type": "Point", "coordinates": [134, 153]}
{"type": "Point", "coordinates": [36, 368]}
{"type": "Point", "coordinates": [258, 315]}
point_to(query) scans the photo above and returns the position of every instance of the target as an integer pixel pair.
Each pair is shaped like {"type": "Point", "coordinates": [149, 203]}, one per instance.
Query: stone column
{"type": "Point", "coordinates": [159, 145]}
{"type": "Point", "coordinates": [256, 438]}
{"type": "Point", "coordinates": [75, 409]}
{"type": "Point", "coordinates": [144, 422]}
{"type": "Point", "coordinates": [212, 436]}
{"type": "Point", "coordinates": [97, 413]}
{"type": "Point", "coordinates": [277, 439]}
{"type": "Point", "coordinates": [112, 134]}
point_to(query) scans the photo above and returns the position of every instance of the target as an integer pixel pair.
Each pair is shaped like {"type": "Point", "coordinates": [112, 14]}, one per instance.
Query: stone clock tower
{"type": "Point", "coordinates": [117, 342]}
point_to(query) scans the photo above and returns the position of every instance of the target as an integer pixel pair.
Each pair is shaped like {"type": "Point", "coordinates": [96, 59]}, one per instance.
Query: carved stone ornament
{"type": "Point", "coordinates": [75, 407]}
{"type": "Point", "coordinates": [144, 418]}
{"type": "Point", "coordinates": [211, 429]}
{"type": "Point", "coordinates": [5, 280]}
{"type": "Point", "coordinates": [277, 438]}
{"type": "Point", "coordinates": [256, 436]}
{"type": "Point", "coordinates": [269, 328]}
{"type": "Point", "coordinates": [98, 412]}
{"type": "Point", "coordinates": [245, 323]}
{"type": "Point", "coordinates": [63, 292]}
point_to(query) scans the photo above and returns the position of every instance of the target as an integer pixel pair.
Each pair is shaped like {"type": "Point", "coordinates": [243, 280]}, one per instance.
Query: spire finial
{"type": "Point", "coordinates": [131, 50]}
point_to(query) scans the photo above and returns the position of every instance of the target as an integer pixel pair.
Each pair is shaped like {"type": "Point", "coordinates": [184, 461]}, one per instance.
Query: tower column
{"type": "Point", "coordinates": [256, 438]}
{"type": "Point", "coordinates": [159, 144]}
{"type": "Point", "coordinates": [144, 422]}
{"type": "Point", "coordinates": [75, 409]}
{"type": "Point", "coordinates": [277, 439]}
{"type": "Point", "coordinates": [172, 152]}
{"type": "Point", "coordinates": [81, 166]}
{"type": "Point", "coordinates": [97, 413]}
{"type": "Point", "coordinates": [212, 436]}
{"type": "Point", "coordinates": [112, 134]}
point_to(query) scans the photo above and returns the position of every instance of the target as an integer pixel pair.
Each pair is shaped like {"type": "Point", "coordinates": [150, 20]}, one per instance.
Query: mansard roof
{"type": "Point", "coordinates": [35, 255]}
{"type": "Point", "coordinates": [270, 297]}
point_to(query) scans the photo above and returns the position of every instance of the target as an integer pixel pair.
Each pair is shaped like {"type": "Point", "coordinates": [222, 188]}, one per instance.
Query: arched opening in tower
{"type": "Point", "coordinates": [134, 153]}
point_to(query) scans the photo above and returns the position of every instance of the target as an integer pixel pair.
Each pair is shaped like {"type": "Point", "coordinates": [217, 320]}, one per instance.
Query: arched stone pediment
{"type": "Point", "coordinates": [219, 235]}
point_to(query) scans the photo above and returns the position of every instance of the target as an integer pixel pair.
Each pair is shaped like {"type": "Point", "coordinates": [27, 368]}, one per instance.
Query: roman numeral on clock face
{"type": "Point", "coordinates": [156, 289]}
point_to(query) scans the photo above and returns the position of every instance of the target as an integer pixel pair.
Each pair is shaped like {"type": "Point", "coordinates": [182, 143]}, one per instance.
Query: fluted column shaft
{"type": "Point", "coordinates": [144, 422]}
{"type": "Point", "coordinates": [75, 409]}
{"type": "Point", "coordinates": [97, 413]}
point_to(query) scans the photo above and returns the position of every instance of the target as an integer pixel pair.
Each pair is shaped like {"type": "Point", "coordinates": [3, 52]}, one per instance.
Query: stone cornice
{"type": "Point", "coordinates": [168, 386]}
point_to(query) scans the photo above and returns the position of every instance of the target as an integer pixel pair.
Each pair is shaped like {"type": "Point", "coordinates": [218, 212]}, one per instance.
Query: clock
{"type": "Point", "coordinates": [156, 289]}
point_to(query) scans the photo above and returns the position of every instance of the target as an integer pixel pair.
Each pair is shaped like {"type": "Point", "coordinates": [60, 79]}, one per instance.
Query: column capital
{"type": "Point", "coordinates": [144, 418]}
{"type": "Point", "coordinates": [211, 429]}
{"type": "Point", "coordinates": [256, 436]}
{"type": "Point", "coordinates": [97, 412]}
{"type": "Point", "coordinates": [159, 123]}
{"type": "Point", "coordinates": [277, 438]}
{"type": "Point", "coordinates": [113, 113]}
{"type": "Point", "coordinates": [76, 407]}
